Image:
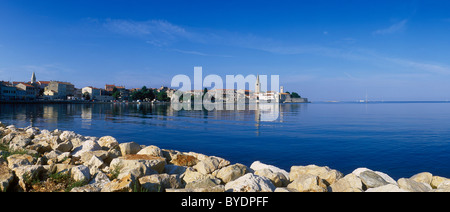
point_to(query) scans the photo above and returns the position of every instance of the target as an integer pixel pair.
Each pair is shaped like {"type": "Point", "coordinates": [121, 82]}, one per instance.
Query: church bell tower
{"type": "Point", "coordinates": [33, 78]}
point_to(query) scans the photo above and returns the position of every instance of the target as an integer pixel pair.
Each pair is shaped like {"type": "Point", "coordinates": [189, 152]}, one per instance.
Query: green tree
{"type": "Point", "coordinates": [295, 95]}
{"type": "Point", "coordinates": [143, 94]}
{"type": "Point", "coordinates": [86, 96]}
{"type": "Point", "coordinates": [162, 96]}
{"type": "Point", "coordinates": [136, 95]}
{"type": "Point", "coordinates": [116, 95]}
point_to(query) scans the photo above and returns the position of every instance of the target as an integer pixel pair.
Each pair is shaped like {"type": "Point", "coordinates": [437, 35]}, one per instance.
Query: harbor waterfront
{"type": "Point", "coordinates": [400, 139]}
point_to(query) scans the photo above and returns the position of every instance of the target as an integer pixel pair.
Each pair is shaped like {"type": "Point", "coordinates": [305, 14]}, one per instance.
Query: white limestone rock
{"type": "Point", "coordinates": [250, 183]}
{"type": "Point", "coordinates": [257, 165]}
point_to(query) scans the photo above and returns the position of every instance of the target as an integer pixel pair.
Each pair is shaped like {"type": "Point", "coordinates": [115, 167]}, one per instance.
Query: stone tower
{"type": "Point", "coordinates": [33, 78]}
{"type": "Point", "coordinates": [257, 85]}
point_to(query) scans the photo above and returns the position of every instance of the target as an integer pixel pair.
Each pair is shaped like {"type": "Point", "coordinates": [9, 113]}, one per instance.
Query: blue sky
{"type": "Point", "coordinates": [325, 50]}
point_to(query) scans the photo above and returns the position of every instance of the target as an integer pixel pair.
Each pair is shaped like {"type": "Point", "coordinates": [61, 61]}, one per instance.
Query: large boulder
{"type": "Point", "coordinates": [308, 183]}
{"type": "Point", "coordinates": [210, 164]}
{"type": "Point", "coordinates": [138, 165]}
{"type": "Point", "coordinates": [65, 146]}
{"type": "Point", "coordinates": [437, 180]}
{"type": "Point", "coordinates": [372, 179]}
{"type": "Point", "coordinates": [107, 142]}
{"type": "Point", "coordinates": [183, 160]}
{"type": "Point", "coordinates": [20, 160]}
{"type": "Point", "coordinates": [413, 186]}
{"type": "Point", "coordinates": [150, 150]}
{"type": "Point", "coordinates": [444, 186]}
{"type": "Point", "coordinates": [277, 178]}
{"type": "Point", "coordinates": [87, 146]}
{"type": "Point", "coordinates": [80, 173]}
{"type": "Point", "coordinates": [323, 172]}
{"type": "Point", "coordinates": [69, 135]}
{"type": "Point", "coordinates": [424, 177]}
{"type": "Point", "coordinates": [27, 174]}
{"type": "Point", "coordinates": [349, 183]}
{"type": "Point", "coordinates": [257, 165]}
{"type": "Point", "coordinates": [250, 183]}
{"type": "Point", "coordinates": [6, 177]}
{"type": "Point", "coordinates": [385, 177]}
{"type": "Point", "coordinates": [191, 175]}
{"type": "Point", "coordinates": [231, 173]}
{"type": "Point", "coordinates": [19, 142]}
{"type": "Point", "coordinates": [129, 148]}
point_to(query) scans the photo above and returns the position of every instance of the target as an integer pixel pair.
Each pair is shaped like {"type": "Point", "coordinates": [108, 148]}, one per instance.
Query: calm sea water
{"type": "Point", "coordinates": [400, 139]}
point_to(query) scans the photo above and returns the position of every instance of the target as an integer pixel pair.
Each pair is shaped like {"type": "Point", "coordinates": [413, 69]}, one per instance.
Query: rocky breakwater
{"type": "Point", "coordinates": [34, 160]}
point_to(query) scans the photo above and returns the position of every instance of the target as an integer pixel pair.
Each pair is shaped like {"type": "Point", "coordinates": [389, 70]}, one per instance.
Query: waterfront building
{"type": "Point", "coordinates": [59, 90]}
{"type": "Point", "coordinates": [124, 93]}
{"type": "Point", "coordinates": [92, 92]}
{"type": "Point", "coordinates": [267, 96]}
{"type": "Point", "coordinates": [77, 93]}
{"type": "Point", "coordinates": [42, 84]}
{"type": "Point", "coordinates": [26, 91]}
{"type": "Point", "coordinates": [7, 91]}
{"type": "Point", "coordinates": [110, 88]}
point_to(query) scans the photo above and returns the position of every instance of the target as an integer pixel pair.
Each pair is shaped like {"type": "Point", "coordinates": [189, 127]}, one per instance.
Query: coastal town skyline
{"type": "Point", "coordinates": [389, 50]}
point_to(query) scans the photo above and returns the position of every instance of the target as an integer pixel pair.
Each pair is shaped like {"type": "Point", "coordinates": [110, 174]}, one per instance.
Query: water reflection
{"type": "Point", "coordinates": [53, 115]}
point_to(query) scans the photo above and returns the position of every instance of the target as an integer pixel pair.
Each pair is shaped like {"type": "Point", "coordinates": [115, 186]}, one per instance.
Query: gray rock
{"type": "Point", "coordinates": [371, 179]}
{"type": "Point", "coordinates": [210, 164]}
{"type": "Point", "coordinates": [424, 177]}
{"type": "Point", "coordinates": [257, 165]}
{"type": "Point", "coordinates": [20, 160]}
{"type": "Point", "coordinates": [231, 173]}
{"type": "Point", "coordinates": [107, 142]}
{"type": "Point", "coordinates": [64, 146]}
{"type": "Point", "coordinates": [349, 183]}
{"type": "Point", "coordinates": [250, 183]}
{"type": "Point", "coordinates": [19, 142]}
{"type": "Point", "coordinates": [87, 146]}
{"type": "Point", "coordinates": [323, 172]}
{"type": "Point", "coordinates": [151, 150]}
{"type": "Point", "coordinates": [138, 166]}
{"type": "Point", "coordinates": [308, 183]}
{"type": "Point", "coordinates": [413, 186]}
{"type": "Point", "coordinates": [6, 177]}
{"type": "Point", "coordinates": [129, 148]}
{"type": "Point", "coordinates": [277, 178]}
{"type": "Point", "coordinates": [386, 177]}
{"type": "Point", "coordinates": [203, 183]}
{"type": "Point", "coordinates": [80, 173]}
{"type": "Point", "coordinates": [26, 173]}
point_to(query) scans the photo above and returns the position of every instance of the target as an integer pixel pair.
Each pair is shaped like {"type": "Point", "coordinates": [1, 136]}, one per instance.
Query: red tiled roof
{"type": "Point", "coordinates": [27, 85]}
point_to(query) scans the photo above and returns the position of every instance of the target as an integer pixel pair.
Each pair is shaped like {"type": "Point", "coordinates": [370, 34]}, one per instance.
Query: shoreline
{"type": "Point", "coordinates": [35, 160]}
